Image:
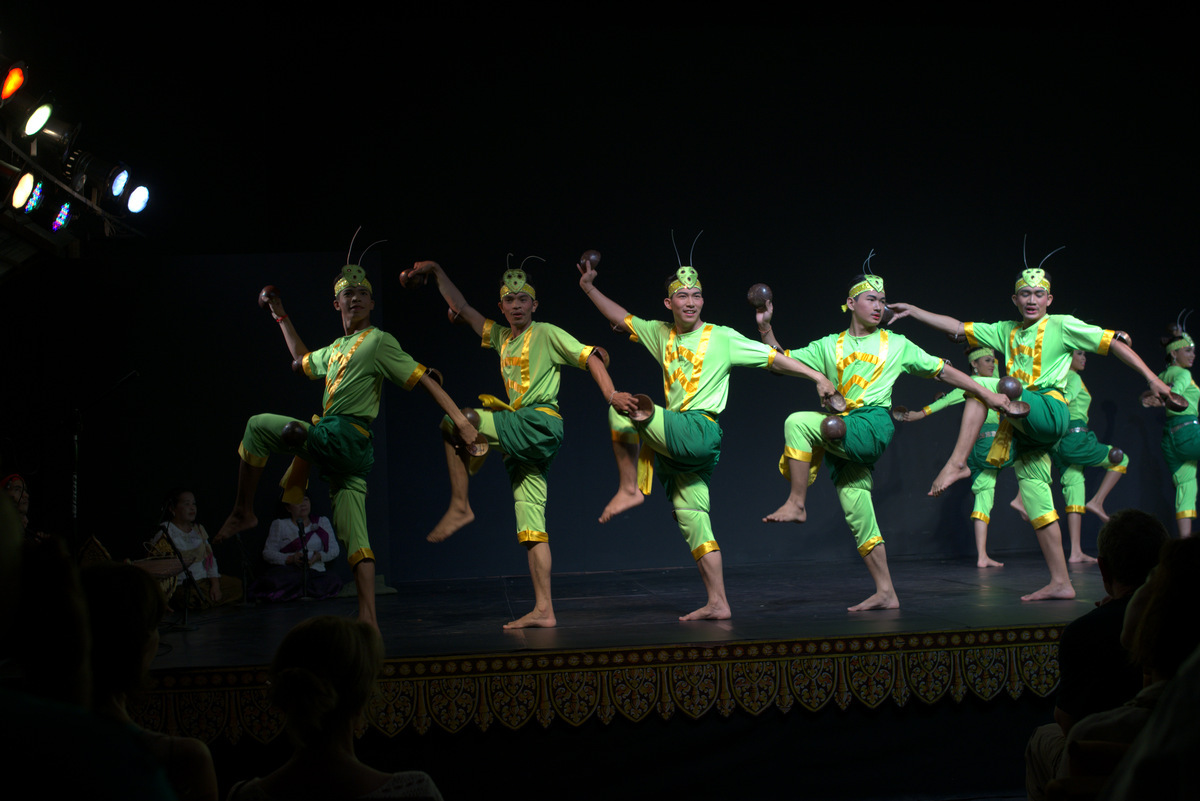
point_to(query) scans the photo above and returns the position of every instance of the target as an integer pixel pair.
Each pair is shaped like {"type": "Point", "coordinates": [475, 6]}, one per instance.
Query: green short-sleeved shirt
{"type": "Point", "coordinates": [1180, 380]}
{"type": "Point", "coordinates": [1040, 356]}
{"type": "Point", "coordinates": [354, 367]}
{"type": "Point", "coordinates": [956, 396]}
{"type": "Point", "coordinates": [696, 365]}
{"type": "Point", "coordinates": [1079, 400]}
{"type": "Point", "coordinates": [865, 368]}
{"type": "Point", "coordinates": [530, 363]}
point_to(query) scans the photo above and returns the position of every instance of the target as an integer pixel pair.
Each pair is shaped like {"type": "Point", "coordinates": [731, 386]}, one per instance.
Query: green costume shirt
{"type": "Point", "coordinates": [1180, 380]}
{"type": "Point", "coordinates": [354, 367]}
{"type": "Point", "coordinates": [1079, 400]}
{"type": "Point", "coordinates": [865, 368]}
{"type": "Point", "coordinates": [696, 365]}
{"type": "Point", "coordinates": [1040, 356]}
{"type": "Point", "coordinates": [530, 363]}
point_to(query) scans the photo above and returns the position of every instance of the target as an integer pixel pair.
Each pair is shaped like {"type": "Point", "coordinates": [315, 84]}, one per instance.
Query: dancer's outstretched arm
{"type": "Point", "coordinates": [290, 335]}
{"type": "Point", "coordinates": [1130, 357]}
{"type": "Point", "coordinates": [942, 322]}
{"type": "Point", "coordinates": [460, 310]}
{"type": "Point", "coordinates": [613, 312]}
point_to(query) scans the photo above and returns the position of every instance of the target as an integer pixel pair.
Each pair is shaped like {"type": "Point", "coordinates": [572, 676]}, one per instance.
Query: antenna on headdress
{"type": "Point", "coordinates": [1048, 255]}
{"type": "Point", "coordinates": [350, 249]}
{"type": "Point", "coordinates": [692, 252]}
{"type": "Point", "coordinates": [1024, 249]}
{"type": "Point", "coordinates": [527, 258]}
{"type": "Point", "coordinates": [867, 263]}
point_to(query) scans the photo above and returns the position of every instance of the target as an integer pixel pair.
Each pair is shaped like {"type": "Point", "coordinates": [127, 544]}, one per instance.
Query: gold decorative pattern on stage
{"type": "Point", "coordinates": [575, 688]}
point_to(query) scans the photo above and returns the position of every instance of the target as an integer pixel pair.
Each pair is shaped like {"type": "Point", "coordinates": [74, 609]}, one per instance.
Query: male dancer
{"type": "Point", "coordinates": [528, 429]}
{"type": "Point", "coordinates": [339, 442]}
{"type": "Point", "coordinates": [865, 361]}
{"type": "Point", "coordinates": [684, 438]}
{"type": "Point", "coordinates": [1037, 351]}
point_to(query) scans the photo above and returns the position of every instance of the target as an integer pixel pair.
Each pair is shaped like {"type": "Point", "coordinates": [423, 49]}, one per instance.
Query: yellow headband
{"type": "Point", "coordinates": [351, 276]}
{"type": "Point", "coordinates": [1033, 278]}
{"type": "Point", "coordinates": [979, 353]}
{"type": "Point", "coordinates": [1186, 342]}
{"type": "Point", "coordinates": [514, 282]}
{"type": "Point", "coordinates": [685, 278]}
{"type": "Point", "coordinates": [874, 282]}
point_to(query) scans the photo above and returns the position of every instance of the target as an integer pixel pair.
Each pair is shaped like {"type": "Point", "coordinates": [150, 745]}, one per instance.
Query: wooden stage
{"type": "Point", "coordinates": [963, 664]}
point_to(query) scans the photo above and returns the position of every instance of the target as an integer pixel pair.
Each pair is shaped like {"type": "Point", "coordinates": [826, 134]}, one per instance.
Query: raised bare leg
{"type": "Point", "coordinates": [364, 584]}
{"type": "Point", "coordinates": [793, 510]}
{"type": "Point", "coordinates": [628, 495]}
{"type": "Point", "coordinates": [712, 572]}
{"type": "Point", "coordinates": [1185, 527]}
{"type": "Point", "coordinates": [983, 559]}
{"type": "Point", "coordinates": [1019, 505]}
{"type": "Point", "coordinates": [242, 517]}
{"type": "Point", "coordinates": [542, 615]}
{"type": "Point", "coordinates": [1074, 534]}
{"type": "Point", "coordinates": [885, 593]}
{"type": "Point", "coordinates": [459, 513]}
{"type": "Point", "coordinates": [974, 413]}
{"type": "Point", "coordinates": [1050, 540]}
{"type": "Point", "coordinates": [1096, 504]}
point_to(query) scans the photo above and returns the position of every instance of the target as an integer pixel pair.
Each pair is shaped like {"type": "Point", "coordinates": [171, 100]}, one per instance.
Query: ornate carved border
{"type": "Point", "coordinates": [573, 687]}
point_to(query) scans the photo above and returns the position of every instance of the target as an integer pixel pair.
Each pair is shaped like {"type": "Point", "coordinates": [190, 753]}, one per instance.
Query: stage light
{"type": "Point", "coordinates": [13, 81]}
{"type": "Point", "coordinates": [62, 218]}
{"type": "Point", "coordinates": [117, 187]}
{"type": "Point", "coordinates": [138, 199]}
{"type": "Point", "coordinates": [35, 198]}
{"type": "Point", "coordinates": [24, 189]}
{"type": "Point", "coordinates": [37, 120]}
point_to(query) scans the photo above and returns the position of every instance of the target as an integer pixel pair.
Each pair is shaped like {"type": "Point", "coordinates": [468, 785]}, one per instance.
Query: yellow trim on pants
{"type": "Point", "coordinates": [1044, 520]}
{"type": "Point", "coordinates": [359, 555]}
{"type": "Point", "coordinates": [704, 549]}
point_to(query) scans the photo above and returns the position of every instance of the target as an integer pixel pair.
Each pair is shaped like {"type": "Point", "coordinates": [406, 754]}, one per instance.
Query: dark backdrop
{"type": "Point", "coordinates": [797, 150]}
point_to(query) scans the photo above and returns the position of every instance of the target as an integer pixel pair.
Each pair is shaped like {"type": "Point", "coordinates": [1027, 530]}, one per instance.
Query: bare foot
{"type": "Point", "coordinates": [238, 520]}
{"type": "Point", "coordinates": [1019, 505]}
{"type": "Point", "coordinates": [621, 502]}
{"type": "Point", "coordinates": [536, 619]}
{"type": "Point", "coordinates": [880, 600]}
{"type": "Point", "coordinates": [790, 512]}
{"type": "Point", "coordinates": [1052, 591]}
{"type": "Point", "coordinates": [950, 473]}
{"type": "Point", "coordinates": [452, 521]}
{"type": "Point", "coordinates": [1079, 557]}
{"type": "Point", "coordinates": [987, 561]}
{"type": "Point", "coordinates": [710, 611]}
{"type": "Point", "coordinates": [1097, 509]}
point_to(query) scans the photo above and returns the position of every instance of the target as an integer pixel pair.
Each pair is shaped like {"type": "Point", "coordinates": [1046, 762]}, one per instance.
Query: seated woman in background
{"type": "Point", "coordinates": [125, 607]}
{"type": "Point", "coordinates": [179, 521]}
{"type": "Point", "coordinates": [321, 678]}
{"type": "Point", "coordinates": [286, 552]}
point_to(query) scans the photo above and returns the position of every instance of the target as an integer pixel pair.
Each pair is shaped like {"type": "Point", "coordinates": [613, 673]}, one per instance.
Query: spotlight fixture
{"type": "Point", "coordinates": [138, 199]}
{"type": "Point", "coordinates": [14, 78]}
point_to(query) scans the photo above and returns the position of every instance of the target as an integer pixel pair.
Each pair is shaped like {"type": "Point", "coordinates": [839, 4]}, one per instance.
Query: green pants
{"type": "Point", "coordinates": [528, 440]}
{"type": "Point", "coordinates": [341, 449]}
{"type": "Point", "coordinates": [851, 462]}
{"type": "Point", "coordinates": [983, 475]}
{"type": "Point", "coordinates": [1032, 439]}
{"type": "Point", "coordinates": [1079, 449]}
{"type": "Point", "coordinates": [687, 447]}
{"type": "Point", "coordinates": [1181, 448]}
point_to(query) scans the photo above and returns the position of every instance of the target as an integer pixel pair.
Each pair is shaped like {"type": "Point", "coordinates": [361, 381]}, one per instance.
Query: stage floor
{"type": "Point", "coordinates": [637, 608]}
